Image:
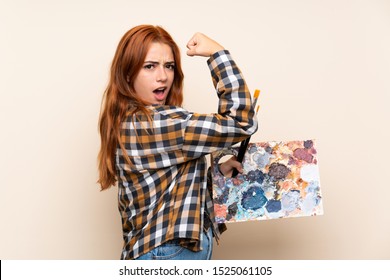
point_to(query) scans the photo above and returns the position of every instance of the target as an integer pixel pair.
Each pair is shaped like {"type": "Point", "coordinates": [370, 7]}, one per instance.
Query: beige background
{"type": "Point", "coordinates": [323, 68]}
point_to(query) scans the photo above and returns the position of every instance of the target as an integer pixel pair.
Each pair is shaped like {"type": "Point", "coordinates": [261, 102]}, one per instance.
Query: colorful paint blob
{"type": "Point", "coordinates": [280, 180]}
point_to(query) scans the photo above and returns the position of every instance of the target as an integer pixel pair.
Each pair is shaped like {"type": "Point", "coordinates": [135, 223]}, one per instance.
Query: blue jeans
{"type": "Point", "coordinates": [173, 251]}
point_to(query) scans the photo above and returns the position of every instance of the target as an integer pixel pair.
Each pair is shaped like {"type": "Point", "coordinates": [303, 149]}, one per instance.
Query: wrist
{"type": "Point", "coordinates": [216, 49]}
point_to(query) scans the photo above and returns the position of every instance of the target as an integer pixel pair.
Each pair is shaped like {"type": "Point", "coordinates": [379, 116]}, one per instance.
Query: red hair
{"type": "Point", "coordinates": [120, 98]}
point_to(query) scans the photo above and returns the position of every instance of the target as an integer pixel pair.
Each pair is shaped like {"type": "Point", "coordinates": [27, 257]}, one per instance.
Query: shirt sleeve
{"type": "Point", "coordinates": [235, 120]}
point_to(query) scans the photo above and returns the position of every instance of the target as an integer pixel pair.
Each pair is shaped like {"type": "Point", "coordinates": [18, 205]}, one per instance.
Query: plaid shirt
{"type": "Point", "coordinates": [163, 192]}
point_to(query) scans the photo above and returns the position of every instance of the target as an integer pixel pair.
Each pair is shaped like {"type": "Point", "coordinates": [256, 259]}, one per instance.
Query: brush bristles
{"type": "Point", "coordinates": [257, 93]}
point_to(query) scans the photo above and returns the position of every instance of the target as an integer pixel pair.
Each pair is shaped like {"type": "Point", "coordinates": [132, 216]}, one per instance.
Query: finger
{"type": "Point", "coordinates": [235, 164]}
{"type": "Point", "coordinates": [191, 51]}
{"type": "Point", "coordinates": [192, 42]}
{"type": "Point", "coordinates": [238, 166]}
{"type": "Point", "coordinates": [191, 46]}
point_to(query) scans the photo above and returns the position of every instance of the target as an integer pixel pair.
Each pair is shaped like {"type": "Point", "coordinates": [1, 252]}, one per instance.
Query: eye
{"type": "Point", "coordinates": [148, 66]}
{"type": "Point", "coordinates": [170, 66]}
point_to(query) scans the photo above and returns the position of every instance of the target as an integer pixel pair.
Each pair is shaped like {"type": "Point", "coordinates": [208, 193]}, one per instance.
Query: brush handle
{"type": "Point", "coordinates": [244, 144]}
{"type": "Point", "coordinates": [241, 153]}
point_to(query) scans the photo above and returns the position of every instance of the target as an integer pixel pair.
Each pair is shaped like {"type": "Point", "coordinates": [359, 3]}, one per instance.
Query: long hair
{"type": "Point", "coordinates": [120, 98]}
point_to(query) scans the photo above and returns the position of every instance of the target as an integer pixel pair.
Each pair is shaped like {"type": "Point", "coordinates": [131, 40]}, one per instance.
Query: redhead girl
{"type": "Point", "coordinates": [154, 149]}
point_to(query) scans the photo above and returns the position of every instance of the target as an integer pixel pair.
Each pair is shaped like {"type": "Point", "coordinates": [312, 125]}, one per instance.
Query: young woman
{"type": "Point", "coordinates": [155, 150]}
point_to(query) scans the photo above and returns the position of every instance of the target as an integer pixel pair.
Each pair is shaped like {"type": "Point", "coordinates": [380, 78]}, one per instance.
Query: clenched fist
{"type": "Point", "coordinates": [201, 45]}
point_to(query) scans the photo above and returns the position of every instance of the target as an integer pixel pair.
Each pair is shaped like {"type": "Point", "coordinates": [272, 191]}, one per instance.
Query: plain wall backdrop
{"type": "Point", "coordinates": [323, 68]}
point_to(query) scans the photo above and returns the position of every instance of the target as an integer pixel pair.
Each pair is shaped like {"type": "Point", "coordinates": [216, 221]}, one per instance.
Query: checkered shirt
{"type": "Point", "coordinates": [163, 193]}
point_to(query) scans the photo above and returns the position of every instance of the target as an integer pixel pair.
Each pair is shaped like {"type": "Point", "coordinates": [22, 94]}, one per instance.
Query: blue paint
{"type": "Point", "coordinates": [262, 160]}
{"type": "Point", "coordinates": [308, 144]}
{"type": "Point", "coordinates": [310, 202]}
{"type": "Point", "coordinates": [313, 187]}
{"type": "Point", "coordinates": [223, 197]}
{"type": "Point", "coordinates": [252, 149]}
{"type": "Point", "coordinates": [273, 206]}
{"type": "Point", "coordinates": [290, 200]}
{"type": "Point", "coordinates": [260, 177]}
{"type": "Point", "coordinates": [255, 176]}
{"type": "Point", "coordinates": [232, 209]}
{"type": "Point", "coordinates": [253, 198]}
{"type": "Point", "coordinates": [268, 186]}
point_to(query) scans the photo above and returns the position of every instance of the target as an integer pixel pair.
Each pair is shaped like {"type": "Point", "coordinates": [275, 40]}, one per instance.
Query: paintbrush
{"type": "Point", "coordinates": [245, 143]}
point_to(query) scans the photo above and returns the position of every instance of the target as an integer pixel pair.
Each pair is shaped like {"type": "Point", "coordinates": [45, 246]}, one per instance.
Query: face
{"type": "Point", "coordinates": [154, 80]}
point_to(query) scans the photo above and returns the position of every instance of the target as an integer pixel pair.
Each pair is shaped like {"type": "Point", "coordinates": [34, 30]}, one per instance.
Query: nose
{"type": "Point", "coordinates": [161, 74]}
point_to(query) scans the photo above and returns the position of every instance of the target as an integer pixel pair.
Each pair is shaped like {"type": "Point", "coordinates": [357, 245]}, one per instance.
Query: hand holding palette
{"type": "Point", "coordinates": [280, 180]}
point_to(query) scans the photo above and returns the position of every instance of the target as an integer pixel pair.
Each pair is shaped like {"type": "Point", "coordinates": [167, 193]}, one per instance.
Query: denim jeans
{"type": "Point", "coordinates": [173, 251]}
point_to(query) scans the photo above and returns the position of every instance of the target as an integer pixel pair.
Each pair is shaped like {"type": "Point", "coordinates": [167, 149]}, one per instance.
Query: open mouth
{"type": "Point", "coordinates": [160, 92]}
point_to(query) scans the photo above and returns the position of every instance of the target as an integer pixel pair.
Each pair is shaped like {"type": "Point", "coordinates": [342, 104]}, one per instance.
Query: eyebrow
{"type": "Point", "coordinates": [156, 62]}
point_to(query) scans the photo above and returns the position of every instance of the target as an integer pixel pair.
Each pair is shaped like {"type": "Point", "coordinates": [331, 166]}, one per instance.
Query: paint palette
{"type": "Point", "coordinates": [280, 180]}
